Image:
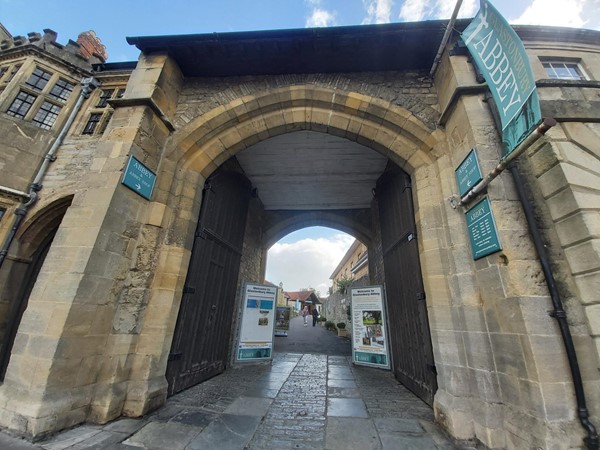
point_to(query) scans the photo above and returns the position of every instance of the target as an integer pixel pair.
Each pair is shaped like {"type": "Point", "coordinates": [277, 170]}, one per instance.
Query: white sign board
{"type": "Point", "coordinates": [370, 346]}
{"type": "Point", "coordinates": [258, 318]}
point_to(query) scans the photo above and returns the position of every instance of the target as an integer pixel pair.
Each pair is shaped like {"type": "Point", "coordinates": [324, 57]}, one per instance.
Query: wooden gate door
{"type": "Point", "coordinates": [412, 355]}
{"type": "Point", "coordinates": [200, 344]}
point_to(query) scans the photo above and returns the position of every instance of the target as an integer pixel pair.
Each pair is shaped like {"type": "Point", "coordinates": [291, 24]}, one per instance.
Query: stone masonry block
{"type": "Point", "coordinates": [578, 227]}
{"type": "Point", "coordinates": [550, 358]}
{"type": "Point", "coordinates": [584, 257]}
{"type": "Point", "coordinates": [509, 354]}
{"type": "Point", "coordinates": [561, 175]}
{"type": "Point", "coordinates": [571, 200]}
{"type": "Point", "coordinates": [583, 133]}
{"type": "Point", "coordinates": [593, 313]}
{"type": "Point", "coordinates": [589, 287]}
{"type": "Point", "coordinates": [479, 351]}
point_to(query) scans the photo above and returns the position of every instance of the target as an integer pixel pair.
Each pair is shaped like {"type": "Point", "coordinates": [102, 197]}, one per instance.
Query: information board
{"type": "Point", "coordinates": [468, 173]}
{"type": "Point", "coordinates": [139, 178]}
{"type": "Point", "coordinates": [282, 320]}
{"type": "Point", "coordinates": [483, 233]}
{"type": "Point", "coordinates": [257, 325]}
{"type": "Point", "coordinates": [370, 345]}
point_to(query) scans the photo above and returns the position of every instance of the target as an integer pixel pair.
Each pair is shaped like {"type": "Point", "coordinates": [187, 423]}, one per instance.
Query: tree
{"type": "Point", "coordinates": [343, 284]}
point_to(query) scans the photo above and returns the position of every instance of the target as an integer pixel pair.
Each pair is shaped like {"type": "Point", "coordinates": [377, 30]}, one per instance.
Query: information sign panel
{"type": "Point", "coordinates": [258, 319]}
{"type": "Point", "coordinates": [483, 233]}
{"type": "Point", "coordinates": [139, 178]}
{"type": "Point", "coordinates": [369, 331]}
{"type": "Point", "coordinates": [468, 173]}
{"type": "Point", "coordinates": [282, 322]}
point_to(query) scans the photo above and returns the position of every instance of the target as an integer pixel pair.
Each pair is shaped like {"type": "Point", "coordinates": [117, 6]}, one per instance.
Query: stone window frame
{"type": "Point", "coordinates": [7, 73]}
{"type": "Point", "coordinates": [99, 115]}
{"type": "Point", "coordinates": [571, 65]}
{"type": "Point", "coordinates": [21, 105]}
{"type": "Point", "coordinates": [46, 115]}
{"type": "Point", "coordinates": [48, 100]}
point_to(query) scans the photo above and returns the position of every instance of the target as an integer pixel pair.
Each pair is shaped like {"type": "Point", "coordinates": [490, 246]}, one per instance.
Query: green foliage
{"type": "Point", "coordinates": [341, 325]}
{"type": "Point", "coordinates": [329, 325]}
{"type": "Point", "coordinates": [322, 319]}
{"type": "Point", "coordinates": [343, 284]}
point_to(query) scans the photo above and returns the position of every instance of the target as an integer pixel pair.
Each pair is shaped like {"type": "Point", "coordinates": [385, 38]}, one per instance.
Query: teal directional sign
{"type": "Point", "coordinates": [483, 233]}
{"type": "Point", "coordinates": [468, 173]}
{"type": "Point", "coordinates": [139, 178]}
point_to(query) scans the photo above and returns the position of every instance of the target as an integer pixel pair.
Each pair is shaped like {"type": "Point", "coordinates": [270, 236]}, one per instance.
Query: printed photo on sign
{"type": "Point", "coordinates": [372, 317]}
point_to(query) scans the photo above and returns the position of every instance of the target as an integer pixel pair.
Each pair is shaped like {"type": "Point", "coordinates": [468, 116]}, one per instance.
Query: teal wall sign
{"type": "Point", "coordinates": [139, 178]}
{"type": "Point", "coordinates": [468, 173]}
{"type": "Point", "coordinates": [483, 233]}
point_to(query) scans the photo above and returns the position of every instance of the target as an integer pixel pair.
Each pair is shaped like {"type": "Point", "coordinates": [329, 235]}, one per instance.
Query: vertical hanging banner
{"type": "Point", "coordinates": [258, 319]}
{"type": "Point", "coordinates": [369, 334]}
{"type": "Point", "coordinates": [500, 56]}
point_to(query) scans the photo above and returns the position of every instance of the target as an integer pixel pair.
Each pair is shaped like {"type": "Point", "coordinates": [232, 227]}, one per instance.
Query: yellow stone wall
{"type": "Point", "coordinates": [94, 340]}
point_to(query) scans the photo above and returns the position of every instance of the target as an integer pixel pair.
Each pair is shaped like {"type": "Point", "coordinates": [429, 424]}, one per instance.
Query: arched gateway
{"type": "Point", "coordinates": [254, 135]}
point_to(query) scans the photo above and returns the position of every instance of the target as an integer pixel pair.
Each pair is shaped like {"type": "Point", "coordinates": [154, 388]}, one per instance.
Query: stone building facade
{"type": "Point", "coordinates": [354, 264]}
{"type": "Point", "coordinates": [101, 271]}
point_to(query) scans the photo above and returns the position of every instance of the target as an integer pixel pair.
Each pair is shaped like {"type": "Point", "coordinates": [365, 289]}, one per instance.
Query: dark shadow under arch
{"type": "Point", "coordinates": [31, 248]}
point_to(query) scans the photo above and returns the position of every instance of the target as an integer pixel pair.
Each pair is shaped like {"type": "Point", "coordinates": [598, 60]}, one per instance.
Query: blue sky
{"type": "Point", "coordinates": [305, 258]}
{"type": "Point", "coordinates": [114, 20]}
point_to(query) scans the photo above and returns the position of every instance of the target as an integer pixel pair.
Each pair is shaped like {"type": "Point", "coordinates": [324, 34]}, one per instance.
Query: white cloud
{"type": "Point", "coordinates": [566, 13]}
{"type": "Point", "coordinates": [416, 10]}
{"type": "Point", "coordinates": [378, 11]}
{"type": "Point", "coordinates": [319, 17]}
{"type": "Point", "coordinates": [307, 263]}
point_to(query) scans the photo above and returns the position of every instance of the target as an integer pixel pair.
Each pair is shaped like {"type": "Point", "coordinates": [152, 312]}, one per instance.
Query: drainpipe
{"type": "Point", "coordinates": [88, 85]}
{"type": "Point", "coordinates": [445, 39]}
{"type": "Point", "coordinates": [591, 441]}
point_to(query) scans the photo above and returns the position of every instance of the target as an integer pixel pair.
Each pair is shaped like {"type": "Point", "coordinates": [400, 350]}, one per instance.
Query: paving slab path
{"type": "Point", "coordinates": [301, 400]}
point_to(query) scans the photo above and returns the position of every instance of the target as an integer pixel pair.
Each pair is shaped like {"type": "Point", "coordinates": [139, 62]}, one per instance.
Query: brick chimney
{"type": "Point", "coordinates": [91, 46]}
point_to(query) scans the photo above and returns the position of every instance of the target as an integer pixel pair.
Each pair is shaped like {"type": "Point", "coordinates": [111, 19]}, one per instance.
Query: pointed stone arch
{"type": "Point", "coordinates": [213, 137]}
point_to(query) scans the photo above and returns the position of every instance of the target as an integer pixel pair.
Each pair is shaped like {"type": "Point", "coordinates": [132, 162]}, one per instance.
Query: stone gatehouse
{"type": "Point", "coordinates": [100, 286]}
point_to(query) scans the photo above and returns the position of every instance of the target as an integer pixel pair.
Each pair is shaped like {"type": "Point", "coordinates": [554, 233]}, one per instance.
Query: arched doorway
{"type": "Point", "coordinates": [23, 266]}
{"type": "Point", "coordinates": [302, 178]}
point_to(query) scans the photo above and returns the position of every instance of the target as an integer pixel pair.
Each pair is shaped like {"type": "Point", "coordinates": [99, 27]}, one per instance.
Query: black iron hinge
{"type": "Point", "coordinates": [432, 368]}
{"type": "Point", "coordinates": [420, 295]}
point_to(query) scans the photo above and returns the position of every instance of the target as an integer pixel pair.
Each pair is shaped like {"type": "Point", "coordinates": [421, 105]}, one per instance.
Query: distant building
{"type": "Point", "coordinates": [299, 299]}
{"type": "Point", "coordinates": [354, 264]}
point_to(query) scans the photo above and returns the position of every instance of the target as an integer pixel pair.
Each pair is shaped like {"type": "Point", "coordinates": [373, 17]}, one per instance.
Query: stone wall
{"type": "Point", "coordinates": [338, 305]}
{"type": "Point", "coordinates": [95, 338]}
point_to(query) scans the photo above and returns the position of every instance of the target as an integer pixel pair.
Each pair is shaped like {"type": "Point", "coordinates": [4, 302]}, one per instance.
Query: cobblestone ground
{"type": "Point", "coordinates": [300, 401]}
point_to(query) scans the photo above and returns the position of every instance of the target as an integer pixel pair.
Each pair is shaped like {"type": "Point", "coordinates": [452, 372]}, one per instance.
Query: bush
{"type": "Point", "coordinates": [341, 325]}
{"type": "Point", "coordinates": [322, 319]}
{"type": "Point", "coordinates": [329, 325]}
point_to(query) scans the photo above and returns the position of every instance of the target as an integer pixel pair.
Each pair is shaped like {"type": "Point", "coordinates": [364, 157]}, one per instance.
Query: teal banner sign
{"type": "Point", "coordinates": [468, 173]}
{"type": "Point", "coordinates": [139, 178]}
{"type": "Point", "coordinates": [483, 233]}
{"type": "Point", "coordinates": [500, 56]}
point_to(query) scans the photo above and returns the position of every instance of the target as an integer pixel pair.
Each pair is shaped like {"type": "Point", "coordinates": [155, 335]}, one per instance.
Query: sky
{"type": "Point", "coordinates": [305, 258]}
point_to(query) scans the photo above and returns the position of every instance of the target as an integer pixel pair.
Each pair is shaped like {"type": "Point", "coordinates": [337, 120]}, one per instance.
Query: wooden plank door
{"type": "Point", "coordinates": [411, 350]}
{"type": "Point", "coordinates": [200, 344]}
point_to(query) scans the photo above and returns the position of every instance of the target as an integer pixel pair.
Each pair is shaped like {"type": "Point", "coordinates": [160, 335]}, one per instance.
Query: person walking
{"type": "Point", "coordinates": [305, 313]}
{"type": "Point", "coordinates": [315, 315]}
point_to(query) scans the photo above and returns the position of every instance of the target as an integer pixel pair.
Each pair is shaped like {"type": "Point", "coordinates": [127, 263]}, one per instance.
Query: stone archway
{"type": "Point", "coordinates": [207, 141]}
